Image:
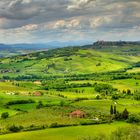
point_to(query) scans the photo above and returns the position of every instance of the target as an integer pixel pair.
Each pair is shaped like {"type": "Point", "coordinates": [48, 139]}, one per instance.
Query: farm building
{"type": "Point", "coordinates": [37, 93]}
{"type": "Point", "coordinates": [77, 114]}
{"type": "Point", "coordinates": [10, 93]}
{"type": "Point", "coordinates": [37, 82]}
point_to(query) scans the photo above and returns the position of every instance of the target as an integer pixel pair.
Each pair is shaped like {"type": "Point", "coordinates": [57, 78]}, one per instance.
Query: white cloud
{"type": "Point", "coordinates": [100, 21]}
{"type": "Point", "coordinates": [79, 4]}
{"type": "Point", "coordinates": [29, 27]}
{"type": "Point", "coordinates": [73, 23]}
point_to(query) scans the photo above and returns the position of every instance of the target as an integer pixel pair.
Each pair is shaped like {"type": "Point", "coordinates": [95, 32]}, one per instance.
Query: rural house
{"type": "Point", "coordinates": [77, 114]}
{"type": "Point", "coordinates": [37, 93]}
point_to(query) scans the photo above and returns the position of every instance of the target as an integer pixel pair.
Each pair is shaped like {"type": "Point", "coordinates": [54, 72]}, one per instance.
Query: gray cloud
{"type": "Point", "coordinates": [19, 9]}
{"type": "Point", "coordinates": [35, 18]}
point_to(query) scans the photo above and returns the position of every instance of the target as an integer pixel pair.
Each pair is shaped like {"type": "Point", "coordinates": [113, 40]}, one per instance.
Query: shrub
{"type": "Point", "coordinates": [89, 122]}
{"type": "Point", "coordinates": [98, 97]}
{"type": "Point", "coordinates": [4, 115]}
{"type": "Point", "coordinates": [137, 96]}
{"type": "Point", "coordinates": [14, 128]}
{"type": "Point", "coordinates": [53, 125]}
{"type": "Point", "coordinates": [122, 116]}
{"type": "Point", "coordinates": [33, 127]}
{"type": "Point", "coordinates": [99, 64]}
{"type": "Point", "coordinates": [40, 105]}
{"type": "Point", "coordinates": [115, 96]}
{"type": "Point", "coordinates": [128, 92]}
{"type": "Point", "coordinates": [20, 102]}
{"type": "Point", "coordinates": [80, 99]}
{"type": "Point", "coordinates": [125, 114]}
{"type": "Point", "coordinates": [133, 118]}
{"type": "Point", "coordinates": [62, 103]}
{"type": "Point", "coordinates": [103, 88]}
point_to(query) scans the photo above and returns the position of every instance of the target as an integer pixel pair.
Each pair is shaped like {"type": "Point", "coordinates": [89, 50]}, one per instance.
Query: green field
{"type": "Point", "coordinates": [40, 91]}
{"type": "Point", "coordinates": [70, 133]}
{"type": "Point", "coordinates": [134, 70]}
{"type": "Point", "coordinates": [78, 61]}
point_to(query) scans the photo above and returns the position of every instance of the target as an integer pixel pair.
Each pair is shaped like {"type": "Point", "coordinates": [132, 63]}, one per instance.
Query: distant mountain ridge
{"type": "Point", "coordinates": [48, 45]}
{"type": "Point", "coordinates": [7, 50]}
{"type": "Point", "coordinates": [22, 46]}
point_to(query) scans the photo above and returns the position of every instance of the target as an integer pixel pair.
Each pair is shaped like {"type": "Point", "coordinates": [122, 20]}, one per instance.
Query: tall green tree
{"type": "Point", "coordinates": [125, 114]}
{"type": "Point", "coordinates": [115, 110]}
{"type": "Point", "coordinates": [111, 110]}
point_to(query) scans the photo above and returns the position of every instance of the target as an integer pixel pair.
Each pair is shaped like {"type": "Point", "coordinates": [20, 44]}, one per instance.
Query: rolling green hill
{"type": "Point", "coordinates": [71, 60]}
{"type": "Point", "coordinates": [40, 90]}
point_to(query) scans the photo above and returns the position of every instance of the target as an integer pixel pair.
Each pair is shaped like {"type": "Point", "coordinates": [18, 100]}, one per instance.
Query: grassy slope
{"type": "Point", "coordinates": [122, 84]}
{"type": "Point", "coordinates": [134, 70]}
{"type": "Point", "coordinates": [69, 133]}
{"type": "Point", "coordinates": [83, 61]}
{"type": "Point", "coordinates": [103, 106]}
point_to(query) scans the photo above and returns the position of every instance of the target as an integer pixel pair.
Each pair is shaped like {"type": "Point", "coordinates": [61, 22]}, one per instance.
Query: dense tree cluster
{"type": "Point", "coordinates": [20, 102]}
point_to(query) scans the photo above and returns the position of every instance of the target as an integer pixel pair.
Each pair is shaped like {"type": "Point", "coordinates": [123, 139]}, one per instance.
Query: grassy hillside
{"type": "Point", "coordinates": [40, 90]}
{"type": "Point", "coordinates": [72, 60]}
{"type": "Point", "coordinates": [70, 133]}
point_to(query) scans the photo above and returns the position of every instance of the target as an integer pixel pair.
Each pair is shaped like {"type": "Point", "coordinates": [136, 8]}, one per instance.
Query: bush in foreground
{"type": "Point", "coordinates": [133, 118]}
{"type": "Point", "coordinates": [130, 133]}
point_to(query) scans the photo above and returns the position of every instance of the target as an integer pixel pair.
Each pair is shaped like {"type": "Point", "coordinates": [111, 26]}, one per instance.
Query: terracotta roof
{"type": "Point", "coordinates": [77, 112]}
{"type": "Point", "coordinates": [37, 93]}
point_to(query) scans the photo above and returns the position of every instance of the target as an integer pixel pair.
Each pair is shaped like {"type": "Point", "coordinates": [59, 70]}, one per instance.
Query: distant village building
{"type": "Point", "coordinates": [77, 114]}
{"type": "Point", "coordinates": [37, 93]}
{"type": "Point", "coordinates": [10, 93]}
{"type": "Point", "coordinates": [37, 82]}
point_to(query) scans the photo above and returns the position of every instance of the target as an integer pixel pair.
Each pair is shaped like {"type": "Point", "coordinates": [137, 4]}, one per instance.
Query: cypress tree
{"type": "Point", "coordinates": [115, 111]}
{"type": "Point", "coordinates": [125, 114]}
{"type": "Point", "coordinates": [111, 110]}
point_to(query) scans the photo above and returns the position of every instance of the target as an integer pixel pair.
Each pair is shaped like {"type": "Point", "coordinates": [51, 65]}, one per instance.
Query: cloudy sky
{"type": "Point", "coordinates": [41, 21]}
